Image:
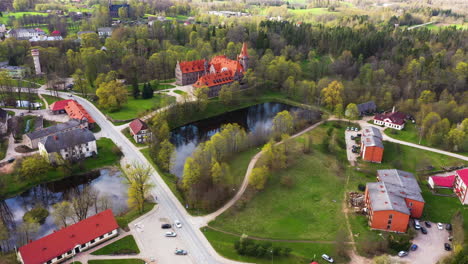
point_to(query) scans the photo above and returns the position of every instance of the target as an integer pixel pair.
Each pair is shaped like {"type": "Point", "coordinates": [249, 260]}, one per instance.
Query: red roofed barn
{"type": "Point", "coordinates": [139, 131]}
{"type": "Point", "coordinates": [461, 185]}
{"type": "Point", "coordinates": [219, 71]}
{"type": "Point", "coordinates": [69, 241]}
{"type": "Point", "coordinates": [58, 107]}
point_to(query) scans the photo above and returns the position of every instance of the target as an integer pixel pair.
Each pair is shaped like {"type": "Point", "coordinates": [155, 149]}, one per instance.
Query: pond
{"type": "Point", "coordinates": [253, 118]}
{"type": "Point", "coordinates": [106, 183]}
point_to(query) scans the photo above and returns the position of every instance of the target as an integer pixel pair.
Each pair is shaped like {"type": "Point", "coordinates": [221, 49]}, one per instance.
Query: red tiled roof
{"type": "Point", "coordinates": [55, 33]}
{"type": "Point", "coordinates": [59, 105]}
{"type": "Point", "coordinates": [221, 63]}
{"type": "Point", "coordinates": [61, 241]}
{"type": "Point", "coordinates": [137, 125]}
{"type": "Point", "coordinates": [214, 79]}
{"type": "Point", "coordinates": [397, 118]}
{"type": "Point", "coordinates": [76, 111]}
{"type": "Point", "coordinates": [244, 52]}
{"type": "Point", "coordinates": [463, 174]}
{"type": "Point", "coordinates": [192, 66]}
{"type": "Point", "coordinates": [443, 181]}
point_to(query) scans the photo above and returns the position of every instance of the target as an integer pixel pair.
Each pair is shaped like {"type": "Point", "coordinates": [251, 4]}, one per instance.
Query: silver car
{"type": "Point", "coordinates": [170, 234]}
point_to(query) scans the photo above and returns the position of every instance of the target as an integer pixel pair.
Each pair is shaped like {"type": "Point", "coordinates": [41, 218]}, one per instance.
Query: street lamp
{"type": "Point", "coordinates": [271, 252]}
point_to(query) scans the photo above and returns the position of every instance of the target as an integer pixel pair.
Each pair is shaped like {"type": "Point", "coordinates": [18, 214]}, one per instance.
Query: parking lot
{"type": "Point", "coordinates": [430, 246]}
{"type": "Point", "coordinates": [349, 145]}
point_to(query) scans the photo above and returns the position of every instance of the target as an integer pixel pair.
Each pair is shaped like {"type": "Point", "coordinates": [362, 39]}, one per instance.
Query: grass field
{"type": "Point", "coordinates": [51, 99]}
{"type": "Point", "coordinates": [135, 107]}
{"type": "Point", "coordinates": [311, 11]}
{"type": "Point", "coordinates": [125, 245]}
{"type": "Point", "coordinates": [179, 92]}
{"type": "Point", "coordinates": [12, 185]}
{"type": "Point", "coordinates": [6, 16]}
{"type": "Point", "coordinates": [116, 261]}
{"type": "Point", "coordinates": [133, 214]}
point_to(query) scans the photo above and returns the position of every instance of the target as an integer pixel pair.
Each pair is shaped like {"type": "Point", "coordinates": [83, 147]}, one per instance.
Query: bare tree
{"type": "Point", "coordinates": [82, 201]}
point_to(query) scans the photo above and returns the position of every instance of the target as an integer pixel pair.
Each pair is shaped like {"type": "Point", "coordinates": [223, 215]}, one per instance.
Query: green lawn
{"type": "Point", "coordinates": [179, 92]}
{"type": "Point", "coordinates": [51, 99]}
{"type": "Point", "coordinates": [13, 184]}
{"type": "Point", "coordinates": [136, 107]}
{"type": "Point", "coordinates": [116, 261]}
{"type": "Point", "coordinates": [155, 84]}
{"type": "Point", "coordinates": [21, 83]}
{"type": "Point", "coordinates": [238, 166]}
{"type": "Point", "coordinates": [133, 214]}
{"type": "Point", "coordinates": [6, 16]}
{"type": "Point", "coordinates": [301, 252]}
{"type": "Point", "coordinates": [311, 11]}
{"type": "Point", "coordinates": [125, 245]}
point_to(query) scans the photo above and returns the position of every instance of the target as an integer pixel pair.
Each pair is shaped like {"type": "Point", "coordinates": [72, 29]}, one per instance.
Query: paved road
{"type": "Point", "coordinates": [199, 247]}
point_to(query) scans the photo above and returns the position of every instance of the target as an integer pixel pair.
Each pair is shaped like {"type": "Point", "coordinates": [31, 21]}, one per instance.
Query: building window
{"type": "Point", "coordinates": [83, 245]}
{"type": "Point", "coordinates": [101, 237]}
{"type": "Point", "coordinates": [410, 204]}
{"type": "Point", "coordinates": [59, 257]}
{"type": "Point", "coordinates": [388, 227]}
{"type": "Point", "coordinates": [92, 241]}
{"type": "Point", "coordinates": [110, 233]}
{"type": "Point", "coordinates": [390, 216]}
{"type": "Point", "coordinates": [69, 252]}
{"type": "Point", "coordinates": [389, 222]}
{"type": "Point", "coordinates": [50, 261]}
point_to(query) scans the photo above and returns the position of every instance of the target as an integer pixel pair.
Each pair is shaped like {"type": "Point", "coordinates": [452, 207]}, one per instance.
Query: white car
{"type": "Point", "coordinates": [170, 234]}
{"type": "Point", "coordinates": [327, 258]}
{"type": "Point", "coordinates": [403, 254]}
{"type": "Point", "coordinates": [440, 226]}
{"type": "Point", "coordinates": [178, 224]}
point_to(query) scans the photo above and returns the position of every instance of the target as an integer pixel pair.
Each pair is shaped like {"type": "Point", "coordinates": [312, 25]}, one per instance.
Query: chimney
{"type": "Point", "coordinates": [393, 109]}
{"type": "Point", "coordinates": [55, 137]}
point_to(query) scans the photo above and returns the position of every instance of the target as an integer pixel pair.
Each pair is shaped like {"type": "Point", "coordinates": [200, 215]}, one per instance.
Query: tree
{"type": "Point", "coordinates": [112, 95]}
{"type": "Point", "coordinates": [90, 40]}
{"type": "Point", "coordinates": [338, 111]}
{"type": "Point", "coordinates": [33, 166]}
{"type": "Point", "coordinates": [216, 172]}
{"type": "Point", "coordinates": [138, 178]}
{"type": "Point", "coordinates": [201, 94]}
{"type": "Point", "coordinates": [191, 173]}
{"type": "Point", "coordinates": [62, 213]}
{"type": "Point", "coordinates": [21, 5]}
{"type": "Point", "coordinates": [352, 111]}
{"type": "Point", "coordinates": [165, 155]}
{"type": "Point", "coordinates": [37, 214]}
{"type": "Point", "coordinates": [81, 202]}
{"type": "Point", "coordinates": [456, 138]}
{"type": "Point", "coordinates": [258, 177]}
{"type": "Point", "coordinates": [225, 95]}
{"type": "Point", "coordinates": [123, 12]}
{"type": "Point", "coordinates": [332, 94]}
{"type": "Point", "coordinates": [80, 82]}
{"type": "Point", "coordinates": [136, 90]}
{"type": "Point", "coordinates": [147, 91]}
{"type": "Point", "coordinates": [282, 123]}
{"type": "Point", "coordinates": [427, 97]}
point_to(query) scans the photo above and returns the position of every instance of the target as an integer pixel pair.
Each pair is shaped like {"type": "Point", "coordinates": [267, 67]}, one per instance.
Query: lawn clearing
{"type": "Point", "coordinates": [116, 261]}
{"type": "Point", "coordinates": [51, 99]}
{"type": "Point", "coordinates": [136, 107]}
{"type": "Point", "coordinates": [179, 92]}
{"type": "Point", "coordinates": [6, 16]}
{"type": "Point", "coordinates": [123, 246]}
{"type": "Point", "coordinates": [132, 214]}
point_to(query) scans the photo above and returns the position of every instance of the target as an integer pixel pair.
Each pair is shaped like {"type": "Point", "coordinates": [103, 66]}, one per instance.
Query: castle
{"type": "Point", "coordinates": [214, 74]}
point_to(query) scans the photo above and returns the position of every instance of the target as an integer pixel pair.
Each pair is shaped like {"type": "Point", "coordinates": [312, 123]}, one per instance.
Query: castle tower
{"type": "Point", "coordinates": [37, 63]}
{"type": "Point", "coordinates": [244, 57]}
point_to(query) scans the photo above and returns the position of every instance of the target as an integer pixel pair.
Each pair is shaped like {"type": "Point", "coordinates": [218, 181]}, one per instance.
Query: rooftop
{"type": "Point", "coordinates": [59, 105]}
{"type": "Point", "coordinates": [137, 125]}
{"type": "Point", "coordinates": [371, 131]}
{"type": "Point", "coordinates": [64, 140]}
{"type": "Point", "coordinates": [53, 129]}
{"type": "Point", "coordinates": [192, 66]}
{"type": "Point", "coordinates": [77, 111]}
{"type": "Point", "coordinates": [463, 174]}
{"type": "Point", "coordinates": [385, 196]}
{"type": "Point", "coordinates": [443, 181]}
{"type": "Point", "coordinates": [371, 141]}
{"type": "Point", "coordinates": [214, 79]}
{"type": "Point", "coordinates": [394, 117]}
{"type": "Point", "coordinates": [399, 178]}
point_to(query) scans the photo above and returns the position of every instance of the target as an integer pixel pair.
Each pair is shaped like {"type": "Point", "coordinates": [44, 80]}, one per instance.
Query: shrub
{"type": "Point", "coordinates": [116, 150]}
{"type": "Point", "coordinates": [36, 215]}
{"type": "Point", "coordinates": [361, 187]}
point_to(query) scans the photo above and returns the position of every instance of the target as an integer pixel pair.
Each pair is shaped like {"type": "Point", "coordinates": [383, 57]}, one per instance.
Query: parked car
{"type": "Point", "coordinates": [347, 128]}
{"type": "Point", "coordinates": [428, 224]}
{"type": "Point", "coordinates": [447, 246]}
{"type": "Point", "coordinates": [180, 252]}
{"type": "Point", "coordinates": [352, 137]}
{"type": "Point", "coordinates": [11, 160]}
{"type": "Point", "coordinates": [178, 224]}
{"type": "Point", "coordinates": [413, 247]}
{"type": "Point", "coordinates": [166, 226]}
{"type": "Point", "coordinates": [450, 238]}
{"type": "Point", "coordinates": [417, 226]}
{"type": "Point", "coordinates": [440, 226]}
{"type": "Point", "coordinates": [403, 254]}
{"type": "Point", "coordinates": [359, 135]}
{"type": "Point", "coordinates": [448, 227]}
{"type": "Point", "coordinates": [170, 234]}
{"type": "Point", "coordinates": [327, 258]}
{"type": "Point", "coordinates": [423, 230]}
{"type": "Point", "coordinates": [356, 129]}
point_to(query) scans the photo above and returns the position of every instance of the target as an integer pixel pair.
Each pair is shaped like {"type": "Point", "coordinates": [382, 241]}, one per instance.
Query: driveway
{"type": "Point", "coordinates": [430, 246]}
{"type": "Point", "coordinates": [352, 157]}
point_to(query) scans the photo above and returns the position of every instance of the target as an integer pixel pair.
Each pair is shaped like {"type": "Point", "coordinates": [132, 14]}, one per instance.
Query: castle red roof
{"type": "Point", "coordinates": [244, 52]}
{"type": "Point", "coordinates": [192, 66]}
{"type": "Point", "coordinates": [59, 242]}
{"type": "Point", "coordinates": [397, 118]}
{"type": "Point", "coordinates": [137, 125]}
{"type": "Point", "coordinates": [59, 105]}
{"type": "Point", "coordinates": [223, 63]}
{"type": "Point", "coordinates": [76, 111]}
{"type": "Point", "coordinates": [214, 79]}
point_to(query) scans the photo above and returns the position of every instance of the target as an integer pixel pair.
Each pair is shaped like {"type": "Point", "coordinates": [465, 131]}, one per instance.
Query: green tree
{"type": "Point", "coordinates": [112, 95]}
{"type": "Point", "coordinates": [352, 111]}
{"type": "Point", "coordinates": [80, 82]}
{"type": "Point", "coordinates": [147, 91]}
{"type": "Point", "coordinates": [62, 213]}
{"type": "Point", "coordinates": [33, 167]}
{"type": "Point", "coordinates": [202, 97]}
{"type": "Point", "coordinates": [225, 95]}
{"type": "Point", "coordinates": [191, 173]}
{"type": "Point", "coordinates": [165, 155]}
{"type": "Point", "coordinates": [90, 40]}
{"type": "Point", "coordinates": [123, 12]}
{"type": "Point", "coordinates": [21, 5]}
{"type": "Point", "coordinates": [37, 214]}
{"type": "Point", "coordinates": [332, 94]}
{"type": "Point", "coordinates": [138, 178]}
{"type": "Point", "coordinates": [216, 172]}
{"type": "Point", "coordinates": [283, 123]}
{"type": "Point", "coordinates": [427, 97]}
{"type": "Point", "coordinates": [338, 112]}
{"type": "Point", "coordinates": [456, 138]}
{"type": "Point", "coordinates": [136, 90]}
{"type": "Point", "coordinates": [258, 177]}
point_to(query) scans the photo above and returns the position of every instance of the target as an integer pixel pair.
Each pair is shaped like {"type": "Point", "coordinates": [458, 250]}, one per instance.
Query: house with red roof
{"type": "Point", "coordinates": [76, 111]}
{"type": "Point", "coordinates": [394, 119]}
{"type": "Point", "coordinates": [441, 181]}
{"type": "Point", "coordinates": [58, 107]}
{"type": "Point", "coordinates": [214, 74]}
{"type": "Point", "coordinates": [140, 131]}
{"type": "Point", "coordinates": [460, 185]}
{"type": "Point", "coordinates": [71, 240]}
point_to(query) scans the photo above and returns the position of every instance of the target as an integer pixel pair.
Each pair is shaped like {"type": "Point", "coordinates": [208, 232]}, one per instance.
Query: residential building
{"type": "Point", "coordinates": [214, 74]}
{"type": "Point", "coordinates": [139, 131]}
{"type": "Point", "coordinates": [67, 242]}
{"type": "Point", "coordinates": [367, 108]}
{"type": "Point", "coordinates": [58, 107]}
{"type": "Point", "coordinates": [45, 38]}
{"type": "Point", "coordinates": [114, 9]}
{"type": "Point", "coordinates": [15, 72]}
{"type": "Point", "coordinates": [461, 185]}
{"type": "Point", "coordinates": [3, 28]}
{"type": "Point", "coordinates": [76, 111]}
{"type": "Point", "coordinates": [4, 116]}
{"type": "Point", "coordinates": [441, 181]}
{"type": "Point", "coordinates": [25, 33]}
{"type": "Point", "coordinates": [71, 145]}
{"type": "Point", "coordinates": [105, 32]}
{"type": "Point", "coordinates": [395, 120]}
{"type": "Point", "coordinates": [372, 147]}
{"type": "Point", "coordinates": [393, 200]}
{"type": "Point", "coordinates": [31, 140]}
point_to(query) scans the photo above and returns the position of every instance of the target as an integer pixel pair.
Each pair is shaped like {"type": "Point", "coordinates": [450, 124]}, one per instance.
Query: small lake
{"type": "Point", "coordinates": [253, 118]}
{"type": "Point", "coordinates": [106, 182]}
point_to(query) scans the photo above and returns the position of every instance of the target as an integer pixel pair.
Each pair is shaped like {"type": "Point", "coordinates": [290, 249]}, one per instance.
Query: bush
{"type": "Point", "coordinates": [249, 247]}
{"type": "Point", "coordinates": [117, 151]}
{"type": "Point", "coordinates": [36, 215]}
{"type": "Point", "coordinates": [361, 187]}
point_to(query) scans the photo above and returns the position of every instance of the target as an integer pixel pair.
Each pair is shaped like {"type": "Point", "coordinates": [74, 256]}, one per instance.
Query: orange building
{"type": "Point", "coordinates": [76, 111]}
{"type": "Point", "coordinates": [372, 148]}
{"type": "Point", "coordinates": [393, 200]}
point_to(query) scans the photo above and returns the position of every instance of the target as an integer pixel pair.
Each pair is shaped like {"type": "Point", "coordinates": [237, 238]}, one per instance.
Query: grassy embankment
{"type": "Point", "coordinates": [132, 214]}
{"type": "Point", "coordinates": [51, 99]}
{"type": "Point", "coordinates": [13, 184]}
{"type": "Point", "coordinates": [125, 245]}
{"type": "Point", "coordinates": [116, 261]}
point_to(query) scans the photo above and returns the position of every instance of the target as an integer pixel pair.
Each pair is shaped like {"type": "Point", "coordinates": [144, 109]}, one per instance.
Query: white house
{"type": "Point", "coordinates": [25, 33]}
{"type": "Point", "coordinates": [71, 145]}
{"type": "Point", "coordinates": [104, 32]}
{"type": "Point", "coordinates": [4, 116]}
{"type": "Point", "coordinates": [67, 242]}
{"type": "Point", "coordinates": [139, 131]}
{"type": "Point", "coordinates": [395, 120]}
{"type": "Point", "coordinates": [460, 185]}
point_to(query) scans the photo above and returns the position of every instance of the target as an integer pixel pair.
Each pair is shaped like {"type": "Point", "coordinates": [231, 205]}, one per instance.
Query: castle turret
{"type": "Point", "coordinates": [244, 57]}
{"type": "Point", "coordinates": [37, 63]}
